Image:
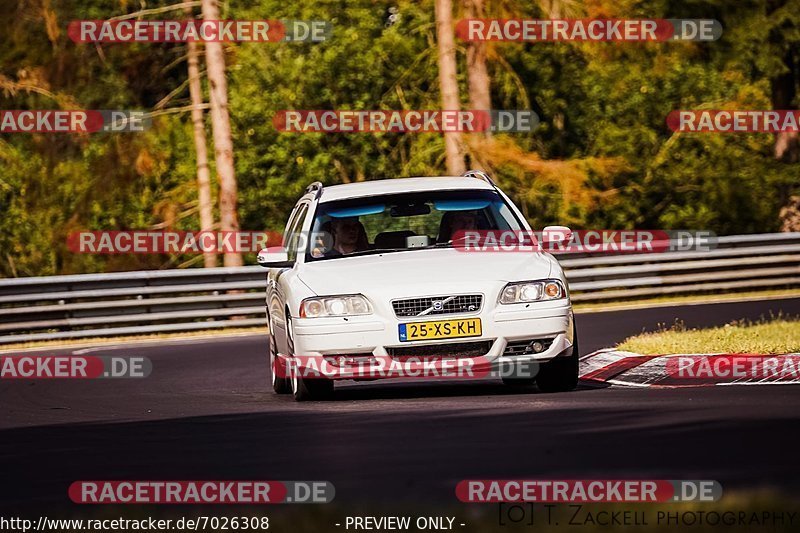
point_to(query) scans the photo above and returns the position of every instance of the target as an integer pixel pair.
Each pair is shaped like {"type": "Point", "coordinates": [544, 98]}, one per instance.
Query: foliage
{"type": "Point", "coordinates": [603, 156]}
{"type": "Point", "coordinates": [777, 336]}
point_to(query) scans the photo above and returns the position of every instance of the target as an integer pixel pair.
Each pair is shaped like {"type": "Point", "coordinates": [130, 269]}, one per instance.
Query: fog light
{"type": "Point", "coordinates": [536, 346]}
{"type": "Point", "coordinates": [350, 360]}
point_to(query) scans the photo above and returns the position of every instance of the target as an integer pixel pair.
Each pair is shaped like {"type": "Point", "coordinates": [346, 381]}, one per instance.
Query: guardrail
{"type": "Point", "coordinates": [126, 303]}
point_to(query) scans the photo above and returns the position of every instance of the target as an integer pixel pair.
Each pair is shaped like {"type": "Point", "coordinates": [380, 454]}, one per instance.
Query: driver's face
{"type": "Point", "coordinates": [345, 230]}
{"type": "Point", "coordinates": [464, 222]}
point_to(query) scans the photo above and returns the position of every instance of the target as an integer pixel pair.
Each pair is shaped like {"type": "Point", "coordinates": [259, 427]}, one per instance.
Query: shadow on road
{"type": "Point", "coordinates": [386, 390]}
{"type": "Point", "coordinates": [419, 453]}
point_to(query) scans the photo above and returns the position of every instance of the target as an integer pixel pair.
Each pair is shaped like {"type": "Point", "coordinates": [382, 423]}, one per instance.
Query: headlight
{"type": "Point", "coordinates": [349, 305]}
{"type": "Point", "coordinates": [532, 291]}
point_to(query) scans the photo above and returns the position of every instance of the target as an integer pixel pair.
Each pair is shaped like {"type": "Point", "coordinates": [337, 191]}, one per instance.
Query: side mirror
{"type": "Point", "coordinates": [556, 236]}
{"type": "Point", "coordinates": [274, 258]}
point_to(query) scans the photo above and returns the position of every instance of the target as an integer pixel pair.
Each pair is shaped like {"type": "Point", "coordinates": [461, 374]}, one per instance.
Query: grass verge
{"type": "Point", "coordinates": [776, 336]}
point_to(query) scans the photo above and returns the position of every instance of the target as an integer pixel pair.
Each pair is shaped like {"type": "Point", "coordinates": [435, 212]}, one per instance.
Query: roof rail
{"type": "Point", "coordinates": [479, 174]}
{"type": "Point", "coordinates": [316, 186]}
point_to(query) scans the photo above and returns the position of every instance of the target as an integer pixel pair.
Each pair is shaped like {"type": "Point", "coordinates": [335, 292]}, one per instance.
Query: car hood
{"type": "Point", "coordinates": [421, 272]}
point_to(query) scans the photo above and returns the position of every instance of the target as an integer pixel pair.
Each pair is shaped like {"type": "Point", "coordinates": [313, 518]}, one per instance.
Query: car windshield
{"type": "Point", "coordinates": [407, 221]}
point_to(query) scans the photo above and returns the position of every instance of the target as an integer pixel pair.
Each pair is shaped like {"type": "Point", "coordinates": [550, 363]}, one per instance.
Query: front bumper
{"type": "Point", "coordinates": [377, 336]}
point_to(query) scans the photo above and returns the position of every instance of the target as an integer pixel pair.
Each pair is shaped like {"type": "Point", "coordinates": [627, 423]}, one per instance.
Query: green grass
{"type": "Point", "coordinates": [777, 336]}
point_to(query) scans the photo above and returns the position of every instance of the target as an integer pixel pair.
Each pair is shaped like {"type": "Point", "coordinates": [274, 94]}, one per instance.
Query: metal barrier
{"type": "Point", "coordinates": [126, 303]}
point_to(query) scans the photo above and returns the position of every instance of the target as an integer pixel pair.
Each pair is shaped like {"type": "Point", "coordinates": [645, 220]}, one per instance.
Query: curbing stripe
{"type": "Point", "coordinates": [636, 370]}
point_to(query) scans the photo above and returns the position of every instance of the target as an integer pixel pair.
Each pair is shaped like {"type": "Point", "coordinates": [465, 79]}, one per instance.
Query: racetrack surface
{"type": "Point", "coordinates": [207, 412]}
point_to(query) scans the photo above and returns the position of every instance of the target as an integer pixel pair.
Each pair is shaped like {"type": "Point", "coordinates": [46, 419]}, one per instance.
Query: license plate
{"type": "Point", "coordinates": [440, 329]}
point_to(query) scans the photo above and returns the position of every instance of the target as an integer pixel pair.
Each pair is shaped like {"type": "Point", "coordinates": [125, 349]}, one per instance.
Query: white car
{"type": "Point", "coordinates": [369, 272]}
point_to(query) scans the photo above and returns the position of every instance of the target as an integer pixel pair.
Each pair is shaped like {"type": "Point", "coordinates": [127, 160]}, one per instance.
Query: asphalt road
{"type": "Point", "coordinates": [206, 412]}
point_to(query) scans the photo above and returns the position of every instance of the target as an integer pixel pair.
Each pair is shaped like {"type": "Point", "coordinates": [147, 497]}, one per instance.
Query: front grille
{"type": "Point", "coordinates": [438, 305]}
{"type": "Point", "coordinates": [523, 347]}
{"type": "Point", "coordinates": [453, 350]}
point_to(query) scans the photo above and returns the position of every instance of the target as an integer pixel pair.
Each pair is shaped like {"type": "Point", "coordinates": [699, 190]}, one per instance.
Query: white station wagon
{"type": "Point", "coordinates": [369, 272]}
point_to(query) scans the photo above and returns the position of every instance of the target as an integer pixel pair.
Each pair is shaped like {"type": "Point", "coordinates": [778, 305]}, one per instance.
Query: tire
{"type": "Point", "coordinates": [561, 374]}
{"type": "Point", "coordinates": [519, 382]}
{"type": "Point", "coordinates": [280, 385]}
{"type": "Point", "coordinates": [305, 389]}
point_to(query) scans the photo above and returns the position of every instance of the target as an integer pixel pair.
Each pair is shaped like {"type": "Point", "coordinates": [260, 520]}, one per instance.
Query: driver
{"type": "Point", "coordinates": [463, 221]}
{"type": "Point", "coordinates": [349, 236]}
{"type": "Point", "coordinates": [457, 221]}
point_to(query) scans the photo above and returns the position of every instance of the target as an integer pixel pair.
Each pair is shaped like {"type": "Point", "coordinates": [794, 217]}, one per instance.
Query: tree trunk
{"type": "Point", "coordinates": [783, 87]}
{"type": "Point", "coordinates": [448, 83]}
{"type": "Point", "coordinates": [477, 74]}
{"type": "Point", "coordinates": [787, 144]}
{"type": "Point", "coordinates": [201, 148]}
{"type": "Point", "coordinates": [223, 142]}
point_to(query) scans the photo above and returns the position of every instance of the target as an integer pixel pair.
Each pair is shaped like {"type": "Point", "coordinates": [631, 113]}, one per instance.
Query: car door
{"type": "Point", "coordinates": [276, 291]}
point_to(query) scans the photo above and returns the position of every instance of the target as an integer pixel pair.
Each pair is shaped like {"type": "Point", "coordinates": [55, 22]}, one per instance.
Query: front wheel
{"type": "Point", "coordinates": [277, 370]}
{"type": "Point", "coordinates": [280, 385]}
{"type": "Point", "coordinates": [519, 382]}
{"type": "Point", "coordinates": [561, 374]}
{"type": "Point", "coordinates": [305, 389]}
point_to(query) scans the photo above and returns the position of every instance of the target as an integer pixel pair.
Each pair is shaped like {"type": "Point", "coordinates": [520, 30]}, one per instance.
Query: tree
{"type": "Point", "coordinates": [477, 73]}
{"type": "Point", "coordinates": [223, 141]}
{"type": "Point", "coordinates": [785, 77]}
{"type": "Point", "coordinates": [203, 173]}
{"type": "Point", "coordinates": [597, 102]}
{"type": "Point", "coordinates": [448, 83]}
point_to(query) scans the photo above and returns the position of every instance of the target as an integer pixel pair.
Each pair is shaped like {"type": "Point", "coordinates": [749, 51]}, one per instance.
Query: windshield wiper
{"type": "Point", "coordinates": [389, 250]}
{"type": "Point", "coordinates": [375, 251]}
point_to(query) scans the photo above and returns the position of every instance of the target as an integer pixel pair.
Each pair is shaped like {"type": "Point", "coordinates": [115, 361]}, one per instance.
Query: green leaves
{"type": "Point", "coordinates": [596, 101]}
